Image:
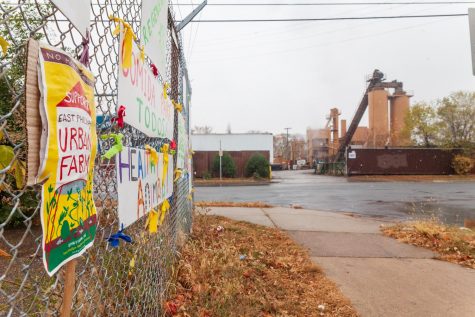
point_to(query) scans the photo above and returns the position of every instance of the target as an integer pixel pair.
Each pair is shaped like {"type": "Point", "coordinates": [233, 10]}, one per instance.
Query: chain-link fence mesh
{"type": "Point", "coordinates": [106, 282]}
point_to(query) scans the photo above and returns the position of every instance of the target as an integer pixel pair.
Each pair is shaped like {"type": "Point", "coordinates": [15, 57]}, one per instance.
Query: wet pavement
{"type": "Point", "coordinates": [452, 202]}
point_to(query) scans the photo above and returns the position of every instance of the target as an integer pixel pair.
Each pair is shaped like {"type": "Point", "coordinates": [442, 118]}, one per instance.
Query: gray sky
{"type": "Point", "coordinates": [268, 76]}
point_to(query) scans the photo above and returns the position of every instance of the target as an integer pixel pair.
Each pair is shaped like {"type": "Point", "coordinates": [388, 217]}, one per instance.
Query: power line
{"type": "Point", "coordinates": [320, 45]}
{"type": "Point", "coordinates": [332, 3]}
{"type": "Point", "coordinates": [304, 25]}
{"type": "Point", "coordinates": [332, 19]}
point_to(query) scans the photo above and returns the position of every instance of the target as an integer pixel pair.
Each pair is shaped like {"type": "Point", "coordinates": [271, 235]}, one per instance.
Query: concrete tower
{"type": "Point", "coordinates": [378, 117]}
{"type": "Point", "coordinates": [399, 107]}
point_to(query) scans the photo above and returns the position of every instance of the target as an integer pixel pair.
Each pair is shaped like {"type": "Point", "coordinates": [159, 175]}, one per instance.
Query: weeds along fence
{"type": "Point", "coordinates": [132, 279]}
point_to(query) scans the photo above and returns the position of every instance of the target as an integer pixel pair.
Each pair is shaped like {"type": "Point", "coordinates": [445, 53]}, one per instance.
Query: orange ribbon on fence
{"type": "Point", "coordinates": [178, 173]}
{"type": "Point", "coordinates": [165, 162]}
{"type": "Point", "coordinates": [152, 221]}
{"type": "Point", "coordinates": [129, 37]}
{"type": "Point", "coordinates": [178, 106]}
{"type": "Point", "coordinates": [142, 53]}
{"type": "Point", "coordinates": [165, 207]}
{"type": "Point", "coordinates": [4, 45]}
{"type": "Point", "coordinates": [153, 154]}
{"type": "Point", "coordinates": [165, 90]}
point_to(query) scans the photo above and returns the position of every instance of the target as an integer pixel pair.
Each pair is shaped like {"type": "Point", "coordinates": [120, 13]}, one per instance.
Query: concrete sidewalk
{"type": "Point", "coordinates": [381, 276]}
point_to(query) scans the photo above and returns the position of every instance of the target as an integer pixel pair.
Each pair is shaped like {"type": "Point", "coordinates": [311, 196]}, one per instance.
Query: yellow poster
{"type": "Point", "coordinates": [68, 149]}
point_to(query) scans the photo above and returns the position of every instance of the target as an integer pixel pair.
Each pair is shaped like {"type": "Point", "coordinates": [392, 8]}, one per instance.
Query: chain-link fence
{"type": "Point", "coordinates": [129, 280]}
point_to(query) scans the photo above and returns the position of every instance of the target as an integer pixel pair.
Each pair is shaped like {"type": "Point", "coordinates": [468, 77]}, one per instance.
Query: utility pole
{"type": "Point", "coordinates": [220, 162]}
{"type": "Point", "coordinates": [190, 16]}
{"type": "Point", "coordinates": [287, 144]}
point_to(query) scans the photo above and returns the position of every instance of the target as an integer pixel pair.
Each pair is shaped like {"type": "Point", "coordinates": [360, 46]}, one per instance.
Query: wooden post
{"type": "Point", "coordinates": [69, 285]}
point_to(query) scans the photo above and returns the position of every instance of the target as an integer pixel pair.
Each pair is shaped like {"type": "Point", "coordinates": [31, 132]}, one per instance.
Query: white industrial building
{"type": "Point", "coordinates": [230, 142]}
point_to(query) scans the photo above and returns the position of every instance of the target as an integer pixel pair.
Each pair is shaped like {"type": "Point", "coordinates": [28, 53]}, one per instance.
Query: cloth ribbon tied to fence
{"type": "Point", "coordinates": [178, 106]}
{"type": "Point", "coordinates": [128, 38]}
{"type": "Point", "coordinates": [4, 44]}
{"type": "Point", "coordinates": [120, 117]}
{"type": "Point", "coordinates": [116, 147]}
{"type": "Point", "coordinates": [178, 173]}
{"type": "Point", "coordinates": [165, 207]}
{"type": "Point", "coordinates": [132, 266]}
{"type": "Point", "coordinates": [165, 162]}
{"type": "Point", "coordinates": [154, 70]}
{"type": "Point", "coordinates": [114, 240]}
{"type": "Point", "coordinates": [84, 56]}
{"type": "Point", "coordinates": [153, 154]}
{"type": "Point", "coordinates": [152, 221]}
{"type": "Point", "coordinates": [165, 90]}
{"type": "Point", "coordinates": [142, 53]}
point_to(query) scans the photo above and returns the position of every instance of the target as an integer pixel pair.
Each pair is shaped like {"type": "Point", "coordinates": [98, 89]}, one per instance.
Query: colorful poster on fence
{"type": "Point", "coordinates": [142, 96]}
{"type": "Point", "coordinates": [155, 32]}
{"type": "Point", "coordinates": [68, 149]}
{"type": "Point", "coordinates": [142, 184]}
{"type": "Point", "coordinates": [77, 12]}
{"type": "Point", "coordinates": [182, 151]}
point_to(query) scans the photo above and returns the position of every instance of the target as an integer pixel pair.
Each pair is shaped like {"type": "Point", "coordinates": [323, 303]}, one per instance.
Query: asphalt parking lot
{"type": "Point", "coordinates": [452, 202]}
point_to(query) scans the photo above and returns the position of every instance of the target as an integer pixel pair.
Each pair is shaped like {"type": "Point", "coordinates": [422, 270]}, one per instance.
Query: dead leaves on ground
{"type": "Point", "coordinates": [231, 268]}
{"type": "Point", "coordinates": [456, 245]}
{"type": "Point", "coordinates": [254, 204]}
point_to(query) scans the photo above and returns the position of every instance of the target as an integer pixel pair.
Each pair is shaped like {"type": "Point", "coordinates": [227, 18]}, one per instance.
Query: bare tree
{"type": "Point", "coordinates": [202, 130]}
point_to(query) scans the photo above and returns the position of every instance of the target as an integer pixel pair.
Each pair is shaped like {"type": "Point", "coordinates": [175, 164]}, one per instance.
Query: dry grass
{"type": "Point", "coordinates": [231, 181]}
{"type": "Point", "coordinates": [413, 178]}
{"type": "Point", "coordinates": [453, 244]}
{"type": "Point", "coordinates": [253, 204]}
{"type": "Point", "coordinates": [231, 268]}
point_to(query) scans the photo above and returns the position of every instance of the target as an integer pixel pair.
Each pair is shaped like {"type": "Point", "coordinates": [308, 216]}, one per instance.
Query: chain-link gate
{"type": "Point", "coordinates": [129, 280]}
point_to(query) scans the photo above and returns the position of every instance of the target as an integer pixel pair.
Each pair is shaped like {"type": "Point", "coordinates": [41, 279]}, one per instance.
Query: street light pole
{"type": "Point", "coordinates": [287, 146]}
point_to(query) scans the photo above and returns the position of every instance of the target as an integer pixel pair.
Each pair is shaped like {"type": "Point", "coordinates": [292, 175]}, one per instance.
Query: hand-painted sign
{"type": "Point", "coordinates": [182, 151]}
{"type": "Point", "coordinates": [77, 12]}
{"type": "Point", "coordinates": [141, 94]}
{"type": "Point", "coordinates": [141, 186]}
{"type": "Point", "coordinates": [155, 32]}
{"type": "Point", "coordinates": [68, 149]}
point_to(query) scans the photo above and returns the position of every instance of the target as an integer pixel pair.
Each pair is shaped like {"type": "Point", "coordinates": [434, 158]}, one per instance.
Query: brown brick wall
{"type": "Point", "coordinates": [402, 161]}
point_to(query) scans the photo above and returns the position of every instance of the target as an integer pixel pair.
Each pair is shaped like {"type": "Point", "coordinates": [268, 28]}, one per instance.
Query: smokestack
{"type": "Point", "coordinates": [334, 115]}
{"type": "Point", "coordinates": [399, 107]}
{"type": "Point", "coordinates": [343, 128]}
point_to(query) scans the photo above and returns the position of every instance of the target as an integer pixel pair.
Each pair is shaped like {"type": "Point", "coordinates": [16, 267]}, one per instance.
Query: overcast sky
{"type": "Point", "coordinates": [269, 76]}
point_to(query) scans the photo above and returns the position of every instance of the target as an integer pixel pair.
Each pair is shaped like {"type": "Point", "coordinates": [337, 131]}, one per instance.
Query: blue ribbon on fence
{"type": "Point", "coordinates": [114, 240]}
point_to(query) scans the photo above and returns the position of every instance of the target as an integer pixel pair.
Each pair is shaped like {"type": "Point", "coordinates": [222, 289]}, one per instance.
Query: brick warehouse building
{"type": "Point", "coordinates": [240, 146]}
